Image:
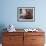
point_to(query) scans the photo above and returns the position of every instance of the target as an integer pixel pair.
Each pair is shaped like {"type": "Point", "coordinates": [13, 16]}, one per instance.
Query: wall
{"type": "Point", "coordinates": [9, 13]}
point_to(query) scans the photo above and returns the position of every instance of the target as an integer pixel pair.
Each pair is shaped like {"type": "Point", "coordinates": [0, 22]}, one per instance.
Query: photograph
{"type": "Point", "coordinates": [26, 14]}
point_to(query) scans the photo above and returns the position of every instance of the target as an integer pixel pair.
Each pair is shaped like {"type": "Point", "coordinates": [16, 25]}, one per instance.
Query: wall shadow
{"type": "Point", "coordinates": [2, 29]}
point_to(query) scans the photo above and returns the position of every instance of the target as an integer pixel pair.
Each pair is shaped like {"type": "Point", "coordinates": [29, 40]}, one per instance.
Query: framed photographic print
{"type": "Point", "coordinates": [26, 14]}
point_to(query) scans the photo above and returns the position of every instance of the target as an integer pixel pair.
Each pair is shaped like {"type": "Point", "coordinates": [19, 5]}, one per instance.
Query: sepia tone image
{"type": "Point", "coordinates": [25, 14]}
